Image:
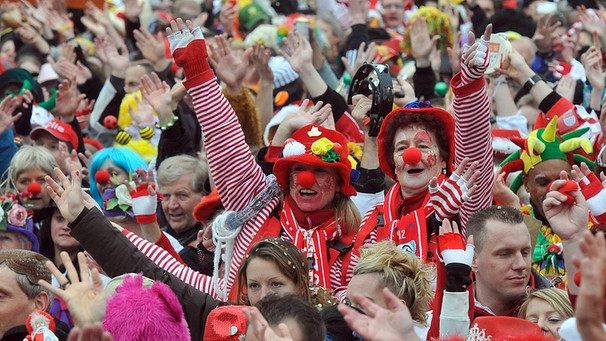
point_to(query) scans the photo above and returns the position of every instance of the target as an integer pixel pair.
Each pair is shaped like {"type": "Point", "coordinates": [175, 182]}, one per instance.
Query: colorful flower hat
{"type": "Point", "coordinates": [17, 218]}
{"type": "Point", "coordinates": [390, 126]}
{"type": "Point", "coordinates": [315, 145]}
{"type": "Point", "coordinates": [117, 202]}
{"type": "Point", "coordinates": [544, 144]}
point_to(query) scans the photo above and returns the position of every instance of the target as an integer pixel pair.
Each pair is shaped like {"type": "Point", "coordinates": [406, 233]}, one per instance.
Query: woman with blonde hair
{"type": "Point", "coordinates": [383, 265]}
{"type": "Point", "coordinates": [548, 308]}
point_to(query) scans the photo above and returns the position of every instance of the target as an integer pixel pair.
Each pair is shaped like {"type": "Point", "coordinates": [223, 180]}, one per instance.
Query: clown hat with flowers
{"type": "Point", "coordinates": [16, 218]}
{"type": "Point", "coordinates": [315, 145]}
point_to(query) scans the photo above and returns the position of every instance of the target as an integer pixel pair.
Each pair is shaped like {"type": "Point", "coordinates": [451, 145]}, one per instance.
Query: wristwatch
{"type": "Point", "coordinates": [531, 82]}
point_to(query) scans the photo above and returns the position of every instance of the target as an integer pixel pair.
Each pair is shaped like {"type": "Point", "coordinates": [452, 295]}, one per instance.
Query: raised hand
{"type": "Point", "coordinates": [592, 265]}
{"type": "Point", "coordinates": [132, 9]}
{"type": "Point", "coordinates": [152, 48]}
{"type": "Point", "coordinates": [452, 246]}
{"type": "Point", "coordinates": [68, 99]}
{"type": "Point", "coordinates": [68, 196]}
{"type": "Point", "coordinates": [361, 108]}
{"type": "Point", "coordinates": [316, 114]}
{"type": "Point", "coordinates": [144, 114]}
{"type": "Point", "coordinates": [421, 43]}
{"type": "Point", "coordinates": [261, 329]}
{"type": "Point", "coordinates": [568, 221]}
{"type": "Point", "coordinates": [260, 60]}
{"type": "Point", "coordinates": [380, 324]}
{"type": "Point", "coordinates": [543, 35]}
{"type": "Point", "coordinates": [503, 194]}
{"type": "Point", "coordinates": [7, 107]}
{"type": "Point", "coordinates": [363, 56]}
{"type": "Point", "coordinates": [448, 197]}
{"type": "Point", "coordinates": [230, 65]}
{"type": "Point", "coordinates": [297, 51]}
{"type": "Point", "coordinates": [475, 56]}
{"type": "Point", "coordinates": [110, 54]}
{"type": "Point", "coordinates": [158, 94]}
{"type": "Point", "coordinates": [82, 293]}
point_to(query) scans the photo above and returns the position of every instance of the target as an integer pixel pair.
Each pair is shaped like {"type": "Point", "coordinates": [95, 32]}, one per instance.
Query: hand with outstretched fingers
{"type": "Point", "coordinates": [261, 329]}
{"type": "Point", "coordinates": [589, 311]}
{"type": "Point", "coordinates": [448, 197]}
{"type": "Point", "coordinates": [377, 323]}
{"type": "Point", "coordinates": [67, 193]}
{"type": "Point", "coordinates": [7, 107]}
{"type": "Point", "coordinates": [474, 60]}
{"type": "Point", "coordinates": [452, 245]}
{"type": "Point", "coordinates": [82, 293]}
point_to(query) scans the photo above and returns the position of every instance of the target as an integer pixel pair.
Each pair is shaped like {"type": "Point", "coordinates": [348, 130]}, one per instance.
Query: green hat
{"type": "Point", "coordinates": [544, 144]}
{"type": "Point", "coordinates": [251, 14]}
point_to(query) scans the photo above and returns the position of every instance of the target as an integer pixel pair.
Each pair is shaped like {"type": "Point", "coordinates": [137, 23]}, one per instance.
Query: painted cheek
{"type": "Point", "coordinates": [326, 184]}
{"type": "Point", "coordinates": [432, 159]}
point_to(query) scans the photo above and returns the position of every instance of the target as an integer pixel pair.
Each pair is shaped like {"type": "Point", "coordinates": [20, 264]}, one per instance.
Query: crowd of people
{"type": "Point", "coordinates": [302, 170]}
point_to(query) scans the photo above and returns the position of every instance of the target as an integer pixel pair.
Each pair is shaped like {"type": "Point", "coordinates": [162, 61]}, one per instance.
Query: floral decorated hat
{"type": "Point", "coordinates": [117, 202]}
{"type": "Point", "coordinates": [315, 145]}
{"type": "Point", "coordinates": [15, 217]}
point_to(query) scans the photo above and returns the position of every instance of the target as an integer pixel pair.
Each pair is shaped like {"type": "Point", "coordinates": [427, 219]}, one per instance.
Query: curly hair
{"type": "Point", "coordinates": [403, 273]}
{"type": "Point", "coordinates": [430, 123]}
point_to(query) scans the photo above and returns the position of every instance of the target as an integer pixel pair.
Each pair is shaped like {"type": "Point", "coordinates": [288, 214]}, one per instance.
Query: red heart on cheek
{"type": "Point", "coordinates": [568, 187]}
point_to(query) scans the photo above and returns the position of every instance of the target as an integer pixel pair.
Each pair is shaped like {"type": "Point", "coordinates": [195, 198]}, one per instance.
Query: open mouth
{"type": "Point", "coordinates": [414, 171]}
{"type": "Point", "coordinates": [307, 192]}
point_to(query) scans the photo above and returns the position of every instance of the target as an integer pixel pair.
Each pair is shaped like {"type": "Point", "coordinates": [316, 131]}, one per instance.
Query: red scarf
{"type": "Point", "coordinates": [406, 221]}
{"type": "Point", "coordinates": [310, 232]}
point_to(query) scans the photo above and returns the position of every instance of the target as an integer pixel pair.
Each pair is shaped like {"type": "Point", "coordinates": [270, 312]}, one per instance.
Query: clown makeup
{"type": "Point", "coordinates": [414, 178]}
{"type": "Point", "coordinates": [313, 188]}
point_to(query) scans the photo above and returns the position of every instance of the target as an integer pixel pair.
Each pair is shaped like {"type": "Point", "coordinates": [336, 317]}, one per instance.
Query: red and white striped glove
{"type": "Point", "coordinates": [144, 204]}
{"type": "Point", "coordinates": [594, 192]}
{"type": "Point", "coordinates": [189, 51]}
{"type": "Point", "coordinates": [448, 197]}
{"type": "Point", "coordinates": [474, 60]}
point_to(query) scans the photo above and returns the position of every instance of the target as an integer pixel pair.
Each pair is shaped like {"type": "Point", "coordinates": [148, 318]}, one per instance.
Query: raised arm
{"type": "Point", "coordinates": [472, 115]}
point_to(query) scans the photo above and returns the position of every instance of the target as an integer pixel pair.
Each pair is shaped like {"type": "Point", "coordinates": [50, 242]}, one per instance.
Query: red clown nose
{"type": "Point", "coordinates": [411, 156]}
{"type": "Point", "coordinates": [306, 179]}
{"type": "Point", "coordinates": [102, 177]}
{"type": "Point", "coordinates": [34, 188]}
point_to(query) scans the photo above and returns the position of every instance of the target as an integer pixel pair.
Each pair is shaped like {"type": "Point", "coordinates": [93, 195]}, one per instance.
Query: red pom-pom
{"type": "Point", "coordinates": [102, 177]}
{"type": "Point", "coordinates": [577, 278]}
{"type": "Point", "coordinates": [412, 156]}
{"type": "Point", "coordinates": [306, 179]}
{"type": "Point", "coordinates": [568, 187]}
{"type": "Point", "coordinates": [34, 188]}
{"type": "Point", "coordinates": [110, 122]}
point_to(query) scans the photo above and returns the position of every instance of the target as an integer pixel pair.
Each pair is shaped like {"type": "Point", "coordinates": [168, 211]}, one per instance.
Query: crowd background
{"type": "Point", "coordinates": [221, 165]}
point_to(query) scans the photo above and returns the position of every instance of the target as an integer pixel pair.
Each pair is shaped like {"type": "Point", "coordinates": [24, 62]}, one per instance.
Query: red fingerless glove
{"type": "Point", "coordinates": [144, 205]}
